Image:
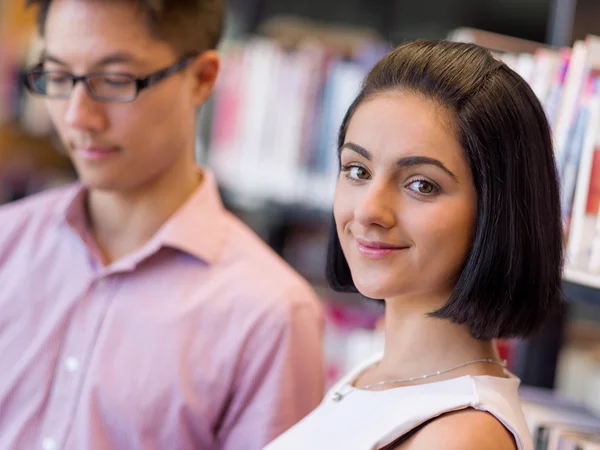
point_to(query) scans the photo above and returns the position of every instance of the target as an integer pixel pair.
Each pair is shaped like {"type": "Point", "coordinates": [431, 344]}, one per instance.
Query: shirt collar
{"type": "Point", "coordinates": [197, 227]}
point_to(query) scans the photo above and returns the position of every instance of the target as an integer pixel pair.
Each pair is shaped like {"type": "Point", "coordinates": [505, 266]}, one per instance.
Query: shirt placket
{"type": "Point", "coordinates": [76, 352]}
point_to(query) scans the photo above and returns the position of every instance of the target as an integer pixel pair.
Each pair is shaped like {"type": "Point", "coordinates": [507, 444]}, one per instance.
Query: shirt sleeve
{"type": "Point", "coordinates": [280, 378]}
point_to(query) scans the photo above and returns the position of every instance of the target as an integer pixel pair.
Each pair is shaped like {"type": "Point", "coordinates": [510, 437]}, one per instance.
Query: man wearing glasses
{"type": "Point", "coordinates": [135, 312]}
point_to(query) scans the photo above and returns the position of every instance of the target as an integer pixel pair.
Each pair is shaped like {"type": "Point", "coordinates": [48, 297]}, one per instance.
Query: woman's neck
{"type": "Point", "coordinates": [416, 344]}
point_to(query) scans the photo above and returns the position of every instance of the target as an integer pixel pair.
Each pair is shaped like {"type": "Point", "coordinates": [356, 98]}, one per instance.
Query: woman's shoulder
{"type": "Point", "coordinates": [467, 429]}
{"type": "Point", "coordinates": [493, 418]}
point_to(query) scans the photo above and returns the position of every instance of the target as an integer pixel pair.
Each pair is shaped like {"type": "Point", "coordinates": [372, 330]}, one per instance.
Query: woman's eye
{"type": "Point", "coordinates": [423, 187]}
{"type": "Point", "coordinates": [356, 173]}
{"type": "Point", "coordinates": [359, 173]}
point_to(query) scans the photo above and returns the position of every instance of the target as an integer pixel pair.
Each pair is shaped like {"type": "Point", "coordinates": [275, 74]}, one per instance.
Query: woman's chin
{"type": "Point", "coordinates": [376, 283]}
{"type": "Point", "coordinates": [375, 291]}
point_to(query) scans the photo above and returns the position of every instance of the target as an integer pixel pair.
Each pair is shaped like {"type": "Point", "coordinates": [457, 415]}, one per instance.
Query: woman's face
{"type": "Point", "coordinates": [405, 203]}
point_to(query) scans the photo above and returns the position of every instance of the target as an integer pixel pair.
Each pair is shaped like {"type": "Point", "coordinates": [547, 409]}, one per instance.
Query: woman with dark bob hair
{"type": "Point", "coordinates": [447, 209]}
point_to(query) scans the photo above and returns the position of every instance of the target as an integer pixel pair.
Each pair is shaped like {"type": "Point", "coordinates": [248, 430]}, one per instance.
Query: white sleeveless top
{"type": "Point", "coordinates": [369, 420]}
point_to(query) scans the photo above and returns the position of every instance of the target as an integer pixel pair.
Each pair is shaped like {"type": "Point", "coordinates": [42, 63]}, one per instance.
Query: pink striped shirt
{"type": "Point", "coordinates": [202, 339]}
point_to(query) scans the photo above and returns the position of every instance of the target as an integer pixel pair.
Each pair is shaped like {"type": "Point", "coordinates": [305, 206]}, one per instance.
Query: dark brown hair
{"type": "Point", "coordinates": [190, 26]}
{"type": "Point", "coordinates": [511, 280]}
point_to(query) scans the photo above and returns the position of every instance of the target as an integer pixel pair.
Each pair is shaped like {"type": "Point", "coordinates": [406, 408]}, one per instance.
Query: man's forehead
{"type": "Point", "coordinates": [116, 57]}
{"type": "Point", "coordinates": [93, 34]}
{"type": "Point", "coordinates": [107, 20]}
{"type": "Point", "coordinates": [98, 45]}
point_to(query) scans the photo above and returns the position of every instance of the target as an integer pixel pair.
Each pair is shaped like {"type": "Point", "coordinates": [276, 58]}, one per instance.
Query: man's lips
{"type": "Point", "coordinates": [96, 153]}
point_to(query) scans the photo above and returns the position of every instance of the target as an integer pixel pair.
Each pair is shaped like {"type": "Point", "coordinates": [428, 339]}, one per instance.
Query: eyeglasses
{"type": "Point", "coordinates": [102, 86]}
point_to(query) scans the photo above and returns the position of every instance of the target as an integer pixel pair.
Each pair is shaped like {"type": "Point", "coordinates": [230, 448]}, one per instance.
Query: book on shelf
{"type": "Point", "coordinates": [578, 364]}
{"type": "Point", "coordinates": [276, 116]}
{"type": "Point", "coordinates": [567, 83]}
{"type": "Point", "coordinates": [557, 423]}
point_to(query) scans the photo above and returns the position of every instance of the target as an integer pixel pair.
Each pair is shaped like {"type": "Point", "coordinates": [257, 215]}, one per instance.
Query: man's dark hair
{"type": "Point", "coordinates": [511, 279]}
{"type": "Point", "coordinates": [190, 26]}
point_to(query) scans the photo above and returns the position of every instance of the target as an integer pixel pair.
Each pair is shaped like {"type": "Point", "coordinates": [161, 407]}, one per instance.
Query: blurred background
{"type": "Point", "coordinates": [290, 70]}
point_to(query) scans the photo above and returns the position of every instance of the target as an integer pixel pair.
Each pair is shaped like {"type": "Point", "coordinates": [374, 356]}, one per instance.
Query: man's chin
{"type": "Point", "coordinates": [97, 182]}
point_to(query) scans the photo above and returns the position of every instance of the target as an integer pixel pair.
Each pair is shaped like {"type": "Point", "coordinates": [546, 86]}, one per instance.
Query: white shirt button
{"type": "Point", "coordinates": [72, 364]}
{"type": "Point", "coordinates": [49, 444]}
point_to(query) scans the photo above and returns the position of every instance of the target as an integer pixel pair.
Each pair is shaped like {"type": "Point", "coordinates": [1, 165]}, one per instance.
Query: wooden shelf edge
{"type": "Point", "coordinates": [581, 286]}
{"type": "Point", "coordinates": [586, 279]}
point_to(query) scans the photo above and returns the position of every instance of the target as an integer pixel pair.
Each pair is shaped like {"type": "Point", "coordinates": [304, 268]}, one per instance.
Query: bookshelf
{"type": "Point", "coordinates": [398, 20]}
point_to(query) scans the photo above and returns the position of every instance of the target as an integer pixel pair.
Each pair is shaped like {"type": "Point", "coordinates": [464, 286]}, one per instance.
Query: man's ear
{"type": "Point", "coordinates": [205, 70]}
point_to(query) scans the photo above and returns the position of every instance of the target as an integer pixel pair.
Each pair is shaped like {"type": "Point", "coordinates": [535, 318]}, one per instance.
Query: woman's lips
{"type": "Point", "coordinates": [377, 249]}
